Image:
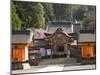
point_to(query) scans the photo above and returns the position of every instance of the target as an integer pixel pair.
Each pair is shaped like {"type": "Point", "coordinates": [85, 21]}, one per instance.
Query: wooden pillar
{"type": "Point", "coordinates": [66, 49]}
{"type": "Point", "coordinates": [68, 52]}
{"type": "Point", "coordinates": [55, 49]}
{"type": "Point", "coordinates": [51, 51]}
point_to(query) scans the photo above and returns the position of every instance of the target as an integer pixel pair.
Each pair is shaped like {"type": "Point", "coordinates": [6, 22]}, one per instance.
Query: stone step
{"type": "Point", "coordinates": [26, 66]}
{"type": "Point", "coordinates": [57, 61]}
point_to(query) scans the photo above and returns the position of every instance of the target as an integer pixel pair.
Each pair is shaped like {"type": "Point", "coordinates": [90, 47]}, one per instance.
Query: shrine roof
{"type": "Point", "coordinates": [87, 37]}
{"type": "Point", "coordinates": [60, 31]}
{"type": "Point", "coordinates": [21, 37]}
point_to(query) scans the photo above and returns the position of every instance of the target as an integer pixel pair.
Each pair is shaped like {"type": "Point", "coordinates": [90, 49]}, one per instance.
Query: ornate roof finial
{"type": "Point", "coordinates": [59, 29]}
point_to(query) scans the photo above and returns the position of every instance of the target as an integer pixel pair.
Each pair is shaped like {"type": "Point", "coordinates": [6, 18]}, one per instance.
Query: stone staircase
{"type": "Point", "coordinates": [57, 61]}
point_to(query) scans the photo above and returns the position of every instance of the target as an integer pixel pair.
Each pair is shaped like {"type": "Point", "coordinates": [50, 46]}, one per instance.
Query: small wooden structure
{"type": "Point", "coordinates": [87, 44]}
{"type": "Point", "coordinates": [21, 40]}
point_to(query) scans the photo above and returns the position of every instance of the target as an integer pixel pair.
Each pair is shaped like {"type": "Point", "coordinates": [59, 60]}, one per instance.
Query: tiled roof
{"type": "Point", "coordinates": [39, 34]}
{"type": "Point", "coordinates": [87, 37]}
{"type": "Point", "coordinates": [60, 31]}
{"type": "Point", "coordinates": [20, 37]}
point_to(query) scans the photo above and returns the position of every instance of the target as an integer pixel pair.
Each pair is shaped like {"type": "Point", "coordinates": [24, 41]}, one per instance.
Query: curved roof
{"type": "Point", "coordinates": [60, 31]}
{"type": "Point", "coordinates": [39, 34]}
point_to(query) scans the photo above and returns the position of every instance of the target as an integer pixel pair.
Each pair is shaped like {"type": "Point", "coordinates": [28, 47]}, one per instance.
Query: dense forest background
{"type": "Point", "coordinates": [37, 15]}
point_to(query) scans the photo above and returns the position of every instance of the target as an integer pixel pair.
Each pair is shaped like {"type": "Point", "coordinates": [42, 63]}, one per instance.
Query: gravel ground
{"type": "Point", "coordinates": [50, 68]}
{"type": "Point", "coordinates": [61, 64]}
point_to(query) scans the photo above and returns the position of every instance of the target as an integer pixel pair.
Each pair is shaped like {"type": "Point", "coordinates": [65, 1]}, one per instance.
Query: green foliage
{"type": "Point", "coordinates": [16, 22]}
{"type": "Point", "coordinates": [62, 11]}
{"type": "Point", "coordinates": [49, 12]}
{"type": "Point", "coordinates": [78, 13]}
{"type": "Point", "coordinates": [36, 15]}
{"type": "Point", "coordinates": [31, 14]}
{"type": "Point", "coordinates": [89, 22]}
{"type": "Point", "coordinates": [25, 12]}
{"type": "Point", "coordinates": [39, 21]}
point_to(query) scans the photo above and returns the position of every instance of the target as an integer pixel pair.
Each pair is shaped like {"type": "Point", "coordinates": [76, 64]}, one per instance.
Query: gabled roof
{"type": "Point", "coordinates": [52, 29]}
{"type": "Point", "coordinates": [21, 37]}
{"type": "Point", "coordinates": [60, 31]}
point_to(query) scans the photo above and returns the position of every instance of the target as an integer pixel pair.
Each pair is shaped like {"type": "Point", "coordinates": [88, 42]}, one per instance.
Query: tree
{"type": "Point", "coordinates": [16, 22]}
{"type": "Point", "coordinates": [38, 18]}
{"type": "Point", "coordinates": [89, 22]}
{"type": "Point", "coordinates": [25, 12]}
{"type": "Point", "coordinates": [62, 11]}
{"type": "Point", "coordinates": [31, 14]}
{"type": "Point", "coordinates": [49, 11]}
{"type": "Point", "coordinates": [78, 13]}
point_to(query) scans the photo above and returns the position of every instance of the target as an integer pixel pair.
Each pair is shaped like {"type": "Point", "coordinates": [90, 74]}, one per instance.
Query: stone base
{"type": "Point", "coordinates": [26, 66]}
{"type": "Point", "coordinates": [55, 61]}
{"type": "Point", "coordinates": [17, 66]}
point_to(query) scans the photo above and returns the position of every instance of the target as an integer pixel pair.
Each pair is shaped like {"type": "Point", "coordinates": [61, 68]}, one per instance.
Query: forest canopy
{"type": "Point", "coordinates": [37, 15]}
